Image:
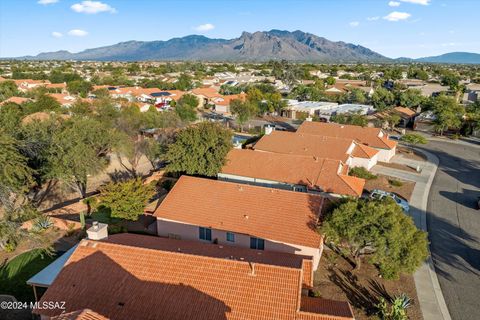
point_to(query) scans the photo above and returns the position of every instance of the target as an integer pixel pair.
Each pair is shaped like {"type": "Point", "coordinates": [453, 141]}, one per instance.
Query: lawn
{"type": "Point", "coordinates": [16, 272]}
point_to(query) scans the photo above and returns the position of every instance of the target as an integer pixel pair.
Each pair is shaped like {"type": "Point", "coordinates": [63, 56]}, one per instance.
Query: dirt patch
{"type": "Point", "coordinates": [336, 279]}
{"type": "Point", "coordinates": [411, 154]}
{"type": "Point", "coordinates": [384, 183]}
{"type": "Point", "coordinates": [398, 166]}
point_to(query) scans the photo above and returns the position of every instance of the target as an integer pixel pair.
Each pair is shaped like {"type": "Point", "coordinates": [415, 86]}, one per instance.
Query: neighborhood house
{"type": "Point", "coordinates": [242, 215]}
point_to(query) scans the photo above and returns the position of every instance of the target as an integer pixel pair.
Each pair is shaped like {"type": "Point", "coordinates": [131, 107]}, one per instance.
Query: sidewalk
{"type": "Point", "coordinates": [428, 288]}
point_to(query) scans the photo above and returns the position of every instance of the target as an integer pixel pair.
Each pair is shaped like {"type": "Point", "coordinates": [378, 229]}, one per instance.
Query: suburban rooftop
{"type": "Point", "coordinates": [316, 173]}
{"type": "Point", "coordinates": [257, 211]}
{"type": "Point", "coordinates": [111, 279]}
{"type": "Point", "coordinates": [372, 137]}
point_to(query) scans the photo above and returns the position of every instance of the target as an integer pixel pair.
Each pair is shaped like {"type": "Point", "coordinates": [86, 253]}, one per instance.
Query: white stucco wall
{"type": "Point", "coordinates": [364, 162]}
{"type": "Point", "coordinates": [385, 155]}
{"type": "Point", "coordinates": [179, 230]}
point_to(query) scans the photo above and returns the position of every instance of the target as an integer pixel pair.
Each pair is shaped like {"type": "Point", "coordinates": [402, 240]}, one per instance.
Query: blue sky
{"type": "Point", "coordinates": [412, 28]}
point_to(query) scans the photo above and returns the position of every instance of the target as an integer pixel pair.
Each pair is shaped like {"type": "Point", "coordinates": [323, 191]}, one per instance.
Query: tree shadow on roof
{"type": "Point", "coordinates": [99, 283]}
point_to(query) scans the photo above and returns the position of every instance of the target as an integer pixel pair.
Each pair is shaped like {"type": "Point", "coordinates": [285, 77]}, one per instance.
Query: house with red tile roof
{"type": "Point", "coordinates": [346, 150]}
{"type": "Point", "coordinates": [65, 100]}
{"type": "Point", "coordinates": [242, 215]}
{"type": "Point", "coordinates": [143, 277]}
{"type": "Point", "coordinates": [205, 95]}
{"type": "Point", "coordinates": [222, 103]}
{"type": "Point", "coordinates": [16, 100]}
{"type": "Point", "coordinates": [290, 172]}
{"type": "Point", "coordinates": [374, 138]}
{"type": "Point", "coordinates": [28, 84]}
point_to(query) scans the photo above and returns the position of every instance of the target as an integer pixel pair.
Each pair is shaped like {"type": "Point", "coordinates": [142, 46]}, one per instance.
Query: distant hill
{"type": "Point", "coordinates": [258, 46]}
{"type": "Point", "coordinates": [453, 57]}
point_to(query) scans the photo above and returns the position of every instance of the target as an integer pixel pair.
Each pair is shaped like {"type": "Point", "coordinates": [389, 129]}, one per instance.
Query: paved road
{"type": "Point", "coordinates": [454, 226]}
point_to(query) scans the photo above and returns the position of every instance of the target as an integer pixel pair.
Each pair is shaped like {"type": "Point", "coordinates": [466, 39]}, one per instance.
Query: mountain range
{"type": "Point", "coordinates": [258, 46]}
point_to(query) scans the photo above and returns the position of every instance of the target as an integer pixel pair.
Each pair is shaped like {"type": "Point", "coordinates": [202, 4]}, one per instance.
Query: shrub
{"type": "Point", "coordinates": [168, 184]}
{"type": "Point", "coordinates": [42, 223]}
{"type": "Point", "coordinates": [395, 183]}
{"type": "Point", "coordinates": [363, 173]}
{"type": "Point", "coordinates": [396, 309]}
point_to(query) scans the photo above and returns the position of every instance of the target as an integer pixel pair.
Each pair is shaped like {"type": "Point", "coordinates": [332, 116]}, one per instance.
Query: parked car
{"type": "Point", "coordinates": [396, 138]}
{"type": "Point", "coordinates": [380, 194]}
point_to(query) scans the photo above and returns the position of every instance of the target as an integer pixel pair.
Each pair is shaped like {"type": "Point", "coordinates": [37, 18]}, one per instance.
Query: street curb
{"type": "Point", "coordinates": [432, 159]}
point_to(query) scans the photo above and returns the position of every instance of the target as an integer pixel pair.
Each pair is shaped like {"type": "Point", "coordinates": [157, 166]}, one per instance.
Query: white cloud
{"type": "Point", "coordinates": [205, 27]}
{"type": "Point", "coordinates": [57, 34]}
{"type": "Point", "coordinates": [397, 16]}
{"type": "Point", "coordinates": [77, 33]}
{"type": "Point", "coordinates": [373, 18]}
{"type": "Point", "coordinates": [449, 44]}
{"type": "Point", "coordinates": [421, 2]}
{"type": "Point", "coordinates": [394, 3]}
{"type": "Point", "coordinates": [92, 7]}
{"type": "Point", "coordinates": [354, 24]}
{"type": "Point", "coordinates": [45, 2]}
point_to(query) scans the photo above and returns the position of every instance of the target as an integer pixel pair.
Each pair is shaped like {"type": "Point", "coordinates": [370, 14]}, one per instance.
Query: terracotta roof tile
{"type": "Point", "coordinates": [17, 100]}
{"type": "Point", "coordinates": [405, 111]}
{"type": "Point", "coordinates": [209, 250]}
{"type": "Point", "coordinates": [257, 211]}
{"type": "Point", "coordinates": [363, 151]}
{"type": "Point", "coordinates": [371, 137]}
{"type": "Point", "coordinates": [315, 173]}
{"type": "Point", "coordinates": [124, 282]}
{"type": "Point", "coordinates": [335, 309]}
{"type": "Point", "coordinates": [305, 144]}
{"type": "Point", "coordinates": [207, 92]}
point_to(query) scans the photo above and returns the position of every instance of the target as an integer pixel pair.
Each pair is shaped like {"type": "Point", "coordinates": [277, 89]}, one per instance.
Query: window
{"type": "Point", "coordinates": [230, 237]}
{"type": "Point", "coordinates": [205, 233]}
{"type": "Point", "coordinates": [256, 243]}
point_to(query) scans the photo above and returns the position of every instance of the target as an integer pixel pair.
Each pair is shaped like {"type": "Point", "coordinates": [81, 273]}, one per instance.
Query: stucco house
{"type": "Point", "coordinates": [347, 150]}
{"type": "Point", "coordinates": [242, 215]}
{"type": "Point", "coordinates": [374, 138]}
{"type": "Point", "coordinates": [291, 172]}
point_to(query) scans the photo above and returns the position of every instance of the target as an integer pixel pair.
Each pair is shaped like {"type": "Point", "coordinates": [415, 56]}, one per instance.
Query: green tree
{"type": "Point", "coordinates": [15, 175]}
{"type": "Point", "coordinates": [7, 89]}
{"type": "Point", "coordinates": [243, 111]}
{"type": "Point", "coordinates": [411, 98]}
{"type": "Point", "coordinates": [356, 119]}
{"type": "Point", "coordinates": [381, 229]}
{"type": "Point", "coordinates": [43, 102]}
{"type": "Point", "coordinates": [199, 149]}
{"type": "Point", "coordinates": [11, 115]}
{"type": "Point", "coordinates": [80, 87]}
{"type": "Point", "coordinates": [186, 108]}
{"type": "Point", "coordinates": [382, 99]}
{"type": "Point", "coordinates": [448, 113]}
{"type": "Point", "coordinates": [127, 199]}
{"type": "Point", "coordinates": [393, 120]}
{"type": "Point", "coordinates": [84, 146]}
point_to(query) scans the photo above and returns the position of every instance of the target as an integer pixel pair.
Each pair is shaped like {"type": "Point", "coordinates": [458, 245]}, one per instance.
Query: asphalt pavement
{"type": "Point", "coordinates": [454, 226]}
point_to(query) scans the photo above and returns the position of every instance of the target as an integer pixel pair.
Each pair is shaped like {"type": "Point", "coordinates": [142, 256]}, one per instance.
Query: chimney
{"type": "Point", "coordinates": [268, 129]}
{"type": "Point", "coordinates": [97, 231]}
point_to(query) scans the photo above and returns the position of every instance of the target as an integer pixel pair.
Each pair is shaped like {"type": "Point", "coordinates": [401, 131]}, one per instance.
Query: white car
{"type": "Point", "coordinates": [380, 194]}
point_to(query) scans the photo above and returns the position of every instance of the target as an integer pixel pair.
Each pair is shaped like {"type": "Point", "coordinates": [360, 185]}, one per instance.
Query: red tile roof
{"type": "Point", "coordinates": [125, 282]}
{"type": "Point", "coordinates": [17, 100]}
{"type": "Point", "coordinates": [207, 92]}
{"type": "Point", "coordinates": [315, 173]}
{"type": "Point", "coordinates": [257, 211]}
{"type": "Point", "coordinates": [305, 144]}
{"type": "Point", "coordinates": [372, 137]}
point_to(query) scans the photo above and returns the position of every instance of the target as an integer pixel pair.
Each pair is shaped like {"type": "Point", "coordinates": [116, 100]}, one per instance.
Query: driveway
{"type": "Point", "coordinates": [454, 226]}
